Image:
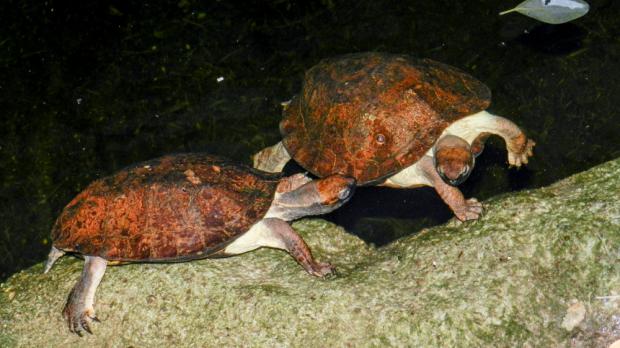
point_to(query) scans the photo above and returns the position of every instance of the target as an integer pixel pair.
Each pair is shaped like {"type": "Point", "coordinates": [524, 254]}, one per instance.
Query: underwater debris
{"type": "Point", "coordinates": [551, 11]}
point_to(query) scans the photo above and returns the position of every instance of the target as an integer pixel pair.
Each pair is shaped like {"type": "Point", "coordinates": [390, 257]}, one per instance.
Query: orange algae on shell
{"type": "Point", "coordinates": [173, 208]}
{"type": "Point", "coordinates": [370, 115]}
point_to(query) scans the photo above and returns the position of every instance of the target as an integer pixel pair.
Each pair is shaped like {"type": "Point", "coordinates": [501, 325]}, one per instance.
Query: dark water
{"type": "Point", "coordinates": [88, 88]}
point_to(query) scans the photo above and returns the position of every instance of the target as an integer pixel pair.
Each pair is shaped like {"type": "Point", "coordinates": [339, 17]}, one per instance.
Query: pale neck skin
{"type": "Point", "coordinates": [303, 196]}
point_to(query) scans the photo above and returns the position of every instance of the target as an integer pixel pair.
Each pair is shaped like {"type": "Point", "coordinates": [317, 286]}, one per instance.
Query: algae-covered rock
{"type": "Point", "coordinates": [540, 269]}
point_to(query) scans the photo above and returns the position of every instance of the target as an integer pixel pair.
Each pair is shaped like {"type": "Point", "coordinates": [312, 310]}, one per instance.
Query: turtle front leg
{"type": "Point", "coordinates": [271, 159]}
{"type": "Point", "coordinates": [278, 234]}
{"type": "Point", "coordinates": [464, 210]}
{"type": "Point", "coordinates": [79, 311]}
{"type": "Point", "coordinates": [479, 126]}
{"type": "Point", "coordinates": [297, 247]}
{"type": "Point", "coordinates": [423, 173]}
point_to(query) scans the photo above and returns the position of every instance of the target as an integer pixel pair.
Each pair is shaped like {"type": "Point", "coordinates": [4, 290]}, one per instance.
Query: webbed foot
{"type": "Point", "coordinates": [470, 210]}
{"type": "Point", "coordinates": [519, 149]}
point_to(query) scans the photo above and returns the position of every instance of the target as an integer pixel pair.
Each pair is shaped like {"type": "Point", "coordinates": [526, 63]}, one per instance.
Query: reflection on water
{"type": "Point", "coordinates": [90, 88]}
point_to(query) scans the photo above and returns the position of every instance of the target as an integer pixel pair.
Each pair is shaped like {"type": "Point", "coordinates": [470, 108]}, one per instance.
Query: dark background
{"type": "Point", "coordinates": [91, 86]}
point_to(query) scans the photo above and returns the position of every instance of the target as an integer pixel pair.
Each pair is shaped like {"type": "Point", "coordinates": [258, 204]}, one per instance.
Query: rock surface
{"type": "Point", "coordinates": [538, 263]}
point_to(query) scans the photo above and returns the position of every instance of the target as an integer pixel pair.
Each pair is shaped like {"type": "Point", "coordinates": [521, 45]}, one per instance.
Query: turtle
{"type": "Point", "coordinates": [184, 207]}
{"type": "Point", "coordinates": [393, 120]}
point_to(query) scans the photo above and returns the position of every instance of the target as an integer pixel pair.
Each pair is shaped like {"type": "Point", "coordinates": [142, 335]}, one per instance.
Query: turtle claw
{"type": "Point", "coordinates": [85, 326]}
{"type": "Point", "coordinates": [79, 319]}
{"type": "Point", "coordinates": [322, 269]}
{"type": "Point", "coordinates": [471, 210]}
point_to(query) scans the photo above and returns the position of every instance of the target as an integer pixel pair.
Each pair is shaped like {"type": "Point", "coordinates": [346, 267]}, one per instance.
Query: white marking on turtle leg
{"type": "Point", "coordinates": [79, 310]}
{"type": "Point", "coordinates": [54, 255]}
{"type": "Point", "coordinates": [271, 159]}
{"type": "Point", "coordinates": [276, 233]}
{"type": "Point", "coordinates": [470, 127]}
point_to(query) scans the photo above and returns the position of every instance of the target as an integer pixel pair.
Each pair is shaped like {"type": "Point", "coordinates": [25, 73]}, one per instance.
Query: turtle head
{"type": "Point", "coordinates": [334, 191]}
{"type": "Point", "coordinates": [298, 196]}
{"type": "Point", "coordinates": [453, 159]}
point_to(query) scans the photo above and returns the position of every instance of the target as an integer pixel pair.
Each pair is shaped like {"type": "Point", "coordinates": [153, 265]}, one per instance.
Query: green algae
{"type": "Point", "coordinates": [505, 280]}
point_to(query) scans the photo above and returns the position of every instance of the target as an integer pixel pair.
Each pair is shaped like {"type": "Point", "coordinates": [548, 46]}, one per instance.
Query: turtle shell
{"type": "Point", "coordinates": [370, 115]}
{"type": "Point", "coordinates": [173, 208]}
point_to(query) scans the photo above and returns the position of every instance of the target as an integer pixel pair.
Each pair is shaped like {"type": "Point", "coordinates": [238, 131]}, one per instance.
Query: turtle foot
{"type": "Point", "coordinates": [471, 210]}
{"type": "Point", "coordinates": [321, 269]}
{"type": "Point", "coordinates": [79, 318]}
{"type": "Point", "coordinates": [520, 151]}
{"type": "Point", "coordinates": [79, 312]}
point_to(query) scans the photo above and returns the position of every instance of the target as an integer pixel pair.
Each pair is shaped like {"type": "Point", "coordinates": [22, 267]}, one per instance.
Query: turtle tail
{"type": "Point", "coordinates": [52, 257]}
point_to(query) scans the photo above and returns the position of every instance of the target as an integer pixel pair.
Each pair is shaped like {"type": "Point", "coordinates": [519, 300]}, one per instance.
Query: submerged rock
{"type": "Point", "coordinates": [541, 268]}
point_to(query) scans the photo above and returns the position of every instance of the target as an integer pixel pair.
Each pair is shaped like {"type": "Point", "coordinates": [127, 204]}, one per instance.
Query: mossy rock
{"type": "Point", "coordinates": [541, 268]}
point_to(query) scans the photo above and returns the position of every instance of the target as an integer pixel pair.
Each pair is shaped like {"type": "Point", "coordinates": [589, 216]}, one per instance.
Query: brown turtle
{"type": "Point", "coordinates": [392, 120]}
{"type": "Point", "coordinates": [185, 207]}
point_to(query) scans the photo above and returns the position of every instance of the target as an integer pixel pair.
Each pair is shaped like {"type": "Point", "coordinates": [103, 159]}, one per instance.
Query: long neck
{"type": "Point", "coordinates": [295, 204]}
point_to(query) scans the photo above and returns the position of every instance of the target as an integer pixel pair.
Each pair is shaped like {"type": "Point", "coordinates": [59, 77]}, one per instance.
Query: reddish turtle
{"type": "Point", "coordinates": [185, 207]}
{"type": "Point", "coordinates": [392, 120]}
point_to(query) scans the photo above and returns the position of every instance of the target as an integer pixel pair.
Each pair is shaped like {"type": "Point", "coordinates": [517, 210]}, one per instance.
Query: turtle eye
{"type": "Point", "coordinates": [380, 138]}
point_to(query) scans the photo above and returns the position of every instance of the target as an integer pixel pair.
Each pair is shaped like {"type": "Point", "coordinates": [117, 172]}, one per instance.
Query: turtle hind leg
{"type": "Point", "coordinates": [54, 255]}
{"type": "Point", "coordinates": [278, 234]}
{"type": "Point", "coordinates": [271, 159]}
{"type": "Point", "coordinates": [79, 311]}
